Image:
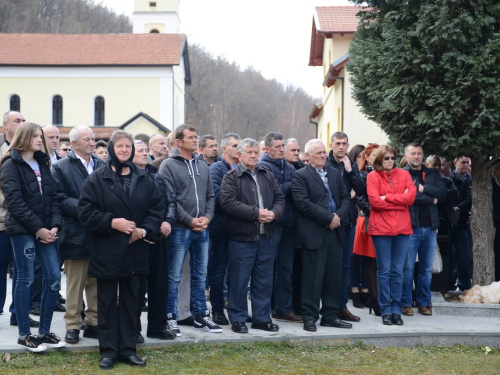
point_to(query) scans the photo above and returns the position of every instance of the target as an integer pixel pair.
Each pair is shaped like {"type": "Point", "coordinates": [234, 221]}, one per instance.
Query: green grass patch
{"type": "Point", "coordinates": [269, 358]}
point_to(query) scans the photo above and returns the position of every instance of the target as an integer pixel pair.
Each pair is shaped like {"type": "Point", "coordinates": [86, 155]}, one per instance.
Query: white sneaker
{"type": "Point", "coordinates": [32, 343]}
{"type": "Point", "coordinates": [172, 324]}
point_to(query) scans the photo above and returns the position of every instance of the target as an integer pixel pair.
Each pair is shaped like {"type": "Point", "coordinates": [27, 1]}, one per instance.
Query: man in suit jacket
{"type": "Point", "coordinates": [323, 202]}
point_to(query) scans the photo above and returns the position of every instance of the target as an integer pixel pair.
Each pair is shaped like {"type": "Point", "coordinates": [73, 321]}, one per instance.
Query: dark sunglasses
{"type": "Point", "coordinates": [65, 149]}
{"type": "Point", "coordinates": [389, 158]}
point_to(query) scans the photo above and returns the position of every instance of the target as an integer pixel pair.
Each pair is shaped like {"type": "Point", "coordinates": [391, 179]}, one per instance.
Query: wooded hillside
{"type": "Point", "coordinates": [60, 17]}
{"type": "Point", "coordinates": [222, 99]}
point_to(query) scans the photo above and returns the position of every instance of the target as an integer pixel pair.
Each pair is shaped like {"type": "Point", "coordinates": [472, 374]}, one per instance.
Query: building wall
{"type": "Point", "coordinates": [126, 92]}
{"type": "Point", "coordinates": [359, 129]}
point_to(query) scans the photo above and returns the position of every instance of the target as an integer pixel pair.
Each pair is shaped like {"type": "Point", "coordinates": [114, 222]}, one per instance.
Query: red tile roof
{"type": "Point", "coordinates": [336, 20]}
{"type": "Point", "coordinates": [92, 49]}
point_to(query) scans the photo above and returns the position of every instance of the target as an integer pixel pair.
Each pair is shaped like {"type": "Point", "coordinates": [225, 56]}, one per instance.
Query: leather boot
{"type": "Point", "coordinates": [357, 302]}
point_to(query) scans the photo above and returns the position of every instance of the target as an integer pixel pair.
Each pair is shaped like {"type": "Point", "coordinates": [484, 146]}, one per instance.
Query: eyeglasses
{"type": "Point", "coordinates": [65, 149]}
{"type": "Point", "coordinates": [389, 158]}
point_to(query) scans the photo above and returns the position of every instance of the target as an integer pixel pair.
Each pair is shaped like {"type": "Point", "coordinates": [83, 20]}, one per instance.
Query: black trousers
{"type": "Point", "coordinates": [116, 320]}
{"type": "Point", "coordinates": [322, 278]}
{"type": "Point", "coordinates": [156, 285]}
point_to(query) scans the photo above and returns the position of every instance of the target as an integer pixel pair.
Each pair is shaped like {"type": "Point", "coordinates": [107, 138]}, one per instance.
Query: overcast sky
{"type": "Point", "coordinates": [273, 36]}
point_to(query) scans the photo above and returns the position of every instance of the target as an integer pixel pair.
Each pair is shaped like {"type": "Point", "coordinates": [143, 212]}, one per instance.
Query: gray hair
{"type": "Point", "coordinates": [272, 136]}
{"type": "Point", "coordinates": [227, 139]}
{"type": "Point", "coordinates": [247, 142]}
{"type": "Point", "coordinates": [74, 134]}
{"type": "Point", "coordinates": [154, 136]}
{"type": "Point", "coordinates": [140, 142]}
{"type": "Point", "coordinates": [309, 145]}
{"type": "Point", "coordinates": [287, 141]}
{"type": "Point", "coordinates": [5, 117]}
{"type": "Point", "coordinates": [119, 134]}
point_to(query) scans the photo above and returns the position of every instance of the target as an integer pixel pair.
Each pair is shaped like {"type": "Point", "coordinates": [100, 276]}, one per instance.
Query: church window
{"type": "Point", "coordinates": [57, 110]}
{"type": "Point", "coordinates": [99, 111]}
{"type": "Point", "coordinates": [15, 103]}
{"type": "Point", "coordinates": [152, 3]}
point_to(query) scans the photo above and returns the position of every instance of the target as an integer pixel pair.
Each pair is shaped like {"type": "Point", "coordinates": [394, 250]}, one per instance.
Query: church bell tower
{"type": "Point", "coordinates": [156, 16]}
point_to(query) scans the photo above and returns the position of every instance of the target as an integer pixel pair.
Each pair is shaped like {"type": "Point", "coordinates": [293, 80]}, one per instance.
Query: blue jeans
{"type": "Point", "coordinates": [423, 243]}
{"type": "Point", "coordinates": [5, 251]}
{"type": "Point", "coordinates": [220, 260]}
{"type": "Point", "coordinates": [255, 259]}
{"type": "Point", "coordinates": [26, 248]}
{"type": "Point", "coordinates": [183, 240]}
{"type": "Point", "coordinates": [284, 248]}
{"type": "Point", "coordinates": [350, 231]}
{"type": "Point", "coordinates": [391, 256]}
{"type": "Point", "coordinates": [460, 238]}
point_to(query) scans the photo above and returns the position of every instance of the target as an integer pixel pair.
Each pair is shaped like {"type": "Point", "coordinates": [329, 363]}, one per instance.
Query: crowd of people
{"type": "Point", "coordinates": [171, 220]}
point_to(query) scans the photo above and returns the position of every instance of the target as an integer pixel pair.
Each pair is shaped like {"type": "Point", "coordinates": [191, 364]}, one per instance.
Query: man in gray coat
{"type": "Point", "coordinates": [188, 179]}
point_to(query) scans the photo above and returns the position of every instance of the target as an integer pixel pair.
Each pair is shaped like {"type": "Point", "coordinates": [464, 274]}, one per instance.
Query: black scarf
{"type": "Point", "coordinates": [113, 159]}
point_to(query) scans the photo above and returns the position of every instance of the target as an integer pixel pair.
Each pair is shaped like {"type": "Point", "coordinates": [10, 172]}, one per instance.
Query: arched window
{"type": "Point", "coordinates": [99, 111]}
{"type": "Point", "coordinates": [15, 103]}
{"type": "Point", "coordinates": [154, 31]}
{"type": "Point", "coordinates": [57, 110]}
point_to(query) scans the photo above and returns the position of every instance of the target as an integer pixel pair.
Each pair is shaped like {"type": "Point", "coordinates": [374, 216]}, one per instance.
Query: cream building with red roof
{"type": "Point", "coordinates": [132, 81]}
{"type": "Point", "coordinates": [332, 30]}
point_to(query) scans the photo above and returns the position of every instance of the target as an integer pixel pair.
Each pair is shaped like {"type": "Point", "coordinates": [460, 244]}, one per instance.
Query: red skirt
{"type": "Point", "coordinates": [363, 244]}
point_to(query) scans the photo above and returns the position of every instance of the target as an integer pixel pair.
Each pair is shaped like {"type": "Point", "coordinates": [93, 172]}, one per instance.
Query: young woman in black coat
{"type": "Point", "coordinates": [32, 222]}
{"type": "Point", "coordinates": [122, 208]}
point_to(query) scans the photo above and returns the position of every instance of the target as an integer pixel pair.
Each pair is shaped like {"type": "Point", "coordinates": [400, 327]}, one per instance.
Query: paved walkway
{"type": "Point", "coordinates": [417, 330]}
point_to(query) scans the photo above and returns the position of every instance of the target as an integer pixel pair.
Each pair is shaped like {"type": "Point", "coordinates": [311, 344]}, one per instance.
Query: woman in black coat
{"type": "Point", "coordinates": [32, 223]}
{"type": "Point", "coordinates": [122, 208]}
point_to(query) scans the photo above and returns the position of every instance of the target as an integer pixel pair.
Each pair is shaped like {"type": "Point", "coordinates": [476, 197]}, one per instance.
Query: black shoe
{"type": "Point", "coordinates": [270, 327]}
{"type": "Point", "coordinates": [357, 302]}
{"type": "Point", "coordinates": [189, 321]}
{"type": "Point", "coordinates": [375, 306]}
{"type": "Point", "coordinates": [35, 310]}
{"type": "Point", "coordinates": [90, 332]}
{"type": "Point", "coordinates": [107, 363]}
{"type": "Point", "coordinates": [72, 336]}
{"type": "Point", "coordinates": [33, 323]}
{"type": "Point", "coordinates": [387, 320]}
{"type": "Point", "coordinates": [203, 320]}
{"type": "Point", "coordinates": [133, 360]}
{"type": "Point", "coordinates": [273, 314]}
{"type": "Point", "coordinates": [61, 299]}
{"type": "Point", "coordinates": [365, 297]}
{"type": "Point", "coordinates": [139, 339]}
{"type": "Point", "coordinates": [337, 323]}
{"type": "Point", "coordinates": [219, 318]}
{"type": "Point", "coordinates": [249, 319]}
{"type": "Point", "coordinates": [239, 327]}
{"type": "Point", "coordinates": [396, 319]}
{"type": "Point", "coordinates": [145, 307]}
{"type": "Point", "coordinates": [163, 335]}
{"type": "Point", "coordinates": [309, 325]}
{"type": "Point", "coordinates": [59, 307]}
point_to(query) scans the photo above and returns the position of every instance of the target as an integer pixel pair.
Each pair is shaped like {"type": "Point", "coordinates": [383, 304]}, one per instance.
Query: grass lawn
{"type": "Point", "coordinates": [270, 358]}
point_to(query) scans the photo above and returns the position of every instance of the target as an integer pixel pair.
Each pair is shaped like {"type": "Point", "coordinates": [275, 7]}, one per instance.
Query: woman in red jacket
{"type": "Point", "coordinates": [390, 192]}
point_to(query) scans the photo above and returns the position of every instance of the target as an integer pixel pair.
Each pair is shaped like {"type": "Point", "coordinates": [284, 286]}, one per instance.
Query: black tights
{"type": "Point", "coordinates": [371, 277]}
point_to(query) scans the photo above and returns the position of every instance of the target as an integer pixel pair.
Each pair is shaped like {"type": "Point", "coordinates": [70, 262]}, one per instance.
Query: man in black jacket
{"type": "Point", "coordinates": [323, 204]}
{"type": "Point", "coordinates": [251, 200]}
{"type": "Point", "coordinates": [431, 188]}
{"type": "Point", "coordinates": [356, 186]}
{"type": "Point", "coordinates": [218, 233]}
{"type": "Point", "coordinates": [461, 234]}
{"type": "Point", "coordinates": [284, 232]}
{"type": "Point", "coordinates": [69, 174]}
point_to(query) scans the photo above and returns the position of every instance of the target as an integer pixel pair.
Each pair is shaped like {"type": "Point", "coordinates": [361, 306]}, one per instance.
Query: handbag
{"type": "Point", "coordinates": [437, 266]}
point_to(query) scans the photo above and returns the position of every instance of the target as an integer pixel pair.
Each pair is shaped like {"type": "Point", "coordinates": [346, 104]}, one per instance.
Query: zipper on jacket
{"type": "Point", "coordinates": [191, 169]}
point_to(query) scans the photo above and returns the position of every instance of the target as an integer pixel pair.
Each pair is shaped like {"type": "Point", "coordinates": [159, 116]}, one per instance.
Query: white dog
{"type": "Point", "coordinates": [482, 294]}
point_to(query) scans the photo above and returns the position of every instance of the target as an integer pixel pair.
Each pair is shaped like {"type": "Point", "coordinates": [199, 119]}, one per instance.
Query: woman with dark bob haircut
{"type": "Point", "coordinates": [122, 208]}
{"type": "Point", "coordinates": [32, 223]}
{"type": "Point", "coordinates": [390, 192]}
